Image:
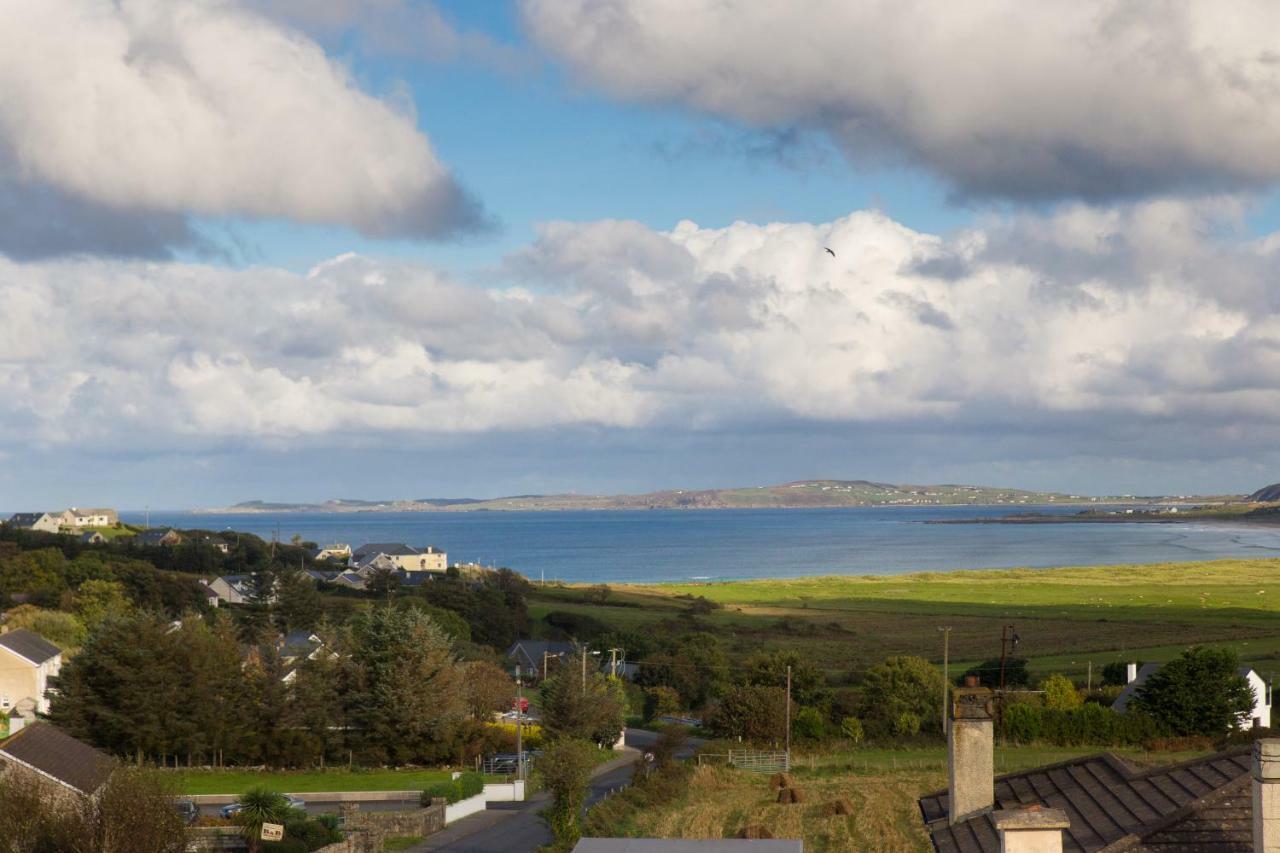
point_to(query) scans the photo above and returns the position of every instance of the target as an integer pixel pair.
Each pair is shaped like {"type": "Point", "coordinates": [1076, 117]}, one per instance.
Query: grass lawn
{"type": "Point", "coordinates": [301, 782]}
{"type": "Point", "coordinates": [1066, 617]}
{"type": "Point", "coordinates": [401, 842]}
{"type": "Point", "coordinates": [882, 784]}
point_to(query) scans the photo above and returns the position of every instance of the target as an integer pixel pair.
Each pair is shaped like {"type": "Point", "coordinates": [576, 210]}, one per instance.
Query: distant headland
{"type": "Point", "coordinates": [801, 494]}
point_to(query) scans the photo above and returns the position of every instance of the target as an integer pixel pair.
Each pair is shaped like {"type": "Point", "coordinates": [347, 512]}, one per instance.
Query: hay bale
{"type": "Point", "coordinates": [842, 806]}
{"type": "Point", "coordinates": [782, 780]}
{"type": "Point", "coordinates": [755, 830]}
{"type": "Point", "coordinates": [790, 795]}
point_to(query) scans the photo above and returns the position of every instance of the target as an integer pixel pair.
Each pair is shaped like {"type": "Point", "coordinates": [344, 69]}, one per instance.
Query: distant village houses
{"type": "Point", "coordinates": [67, 520]}
{"type": "Point", "coordinates": [1136, 676]}
{"type": "Point", "coordinates": [397, 556]}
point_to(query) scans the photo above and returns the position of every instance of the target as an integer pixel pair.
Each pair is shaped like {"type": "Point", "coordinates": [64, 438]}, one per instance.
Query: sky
{"type": "Point", "coordinates": [281, 250]}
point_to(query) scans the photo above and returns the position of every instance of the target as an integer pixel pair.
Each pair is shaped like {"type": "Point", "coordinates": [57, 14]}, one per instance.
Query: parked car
{"type": "Point", "coordinates": [232, 809]}
{"type": "Point", "coordinates": [188, 809]}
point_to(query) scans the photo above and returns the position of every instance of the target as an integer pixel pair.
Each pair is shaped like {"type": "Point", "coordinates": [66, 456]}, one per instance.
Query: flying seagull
{"type": "Point", "coordinates": [829, 252]}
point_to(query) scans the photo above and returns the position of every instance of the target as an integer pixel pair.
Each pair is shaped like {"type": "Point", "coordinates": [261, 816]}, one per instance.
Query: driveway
{"type": "Point", "coordinates": [516, 827]}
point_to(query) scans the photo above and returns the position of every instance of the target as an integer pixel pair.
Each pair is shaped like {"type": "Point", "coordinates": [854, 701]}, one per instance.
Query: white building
{"type": "Point", "coordinates": [1136, 676]}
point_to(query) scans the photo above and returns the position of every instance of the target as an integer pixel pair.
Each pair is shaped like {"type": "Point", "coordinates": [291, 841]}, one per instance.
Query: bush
{"type": "Point", "coordinates": [906, 724]}
{"type": "Point", "coordinates": [1022, 723]}
{"type": "Point", "coordinates": [659, 701]}
{"type": "Point", "coordinates": [809, 724]}
{"type": "Point", "coordinates": [1059, 693]}
{"type": "Point", "coordinates": [851, 728]}
{"type": "Point", "coordinates": [466, 785]}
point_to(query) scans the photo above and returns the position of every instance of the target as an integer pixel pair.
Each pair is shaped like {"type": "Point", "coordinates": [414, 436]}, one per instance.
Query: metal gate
{"type": "Point", "coordinates": [759, 762]}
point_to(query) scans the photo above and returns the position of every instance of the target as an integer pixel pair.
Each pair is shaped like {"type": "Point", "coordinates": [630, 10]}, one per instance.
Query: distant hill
{"type": "Point", "coordinates": [799, 494]}
{"type": "Point", "coordinates": [1267, 494]}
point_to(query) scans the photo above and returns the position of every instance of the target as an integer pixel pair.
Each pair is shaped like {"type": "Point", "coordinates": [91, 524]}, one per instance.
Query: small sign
{"type": "Point", "coordinates": [272, 832]}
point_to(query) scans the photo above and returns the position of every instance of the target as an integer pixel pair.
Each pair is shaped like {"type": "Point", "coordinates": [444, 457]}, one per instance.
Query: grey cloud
{"type": "Point", "coordinates": [1101, 100]}
{"type": "Point", "coordinates": [38, 221]}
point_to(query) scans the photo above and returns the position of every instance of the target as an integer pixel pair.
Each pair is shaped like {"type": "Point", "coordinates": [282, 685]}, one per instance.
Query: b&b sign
{"type": "Point", "coordinates": [272, 832]}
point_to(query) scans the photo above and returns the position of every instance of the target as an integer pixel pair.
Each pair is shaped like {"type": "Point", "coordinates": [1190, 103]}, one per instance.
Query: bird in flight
{"type": "Point", "coordinates": [829, 252]}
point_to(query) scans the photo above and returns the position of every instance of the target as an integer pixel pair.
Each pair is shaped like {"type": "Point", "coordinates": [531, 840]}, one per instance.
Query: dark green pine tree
{"type": "Point", "coordinates": [1200, 692]}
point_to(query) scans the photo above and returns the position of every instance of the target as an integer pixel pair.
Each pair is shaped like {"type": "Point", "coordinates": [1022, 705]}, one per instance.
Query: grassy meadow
{"type": "Point", "coordinates": [882, 784]}
{"type": "Point", "coordinates": [302, 782]}
{"type": "Point", "coordinates": [1066, 617]}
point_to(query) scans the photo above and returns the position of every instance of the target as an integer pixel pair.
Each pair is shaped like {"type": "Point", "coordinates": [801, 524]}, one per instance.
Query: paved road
{"type": "Point", "coordinates": [516, 827]}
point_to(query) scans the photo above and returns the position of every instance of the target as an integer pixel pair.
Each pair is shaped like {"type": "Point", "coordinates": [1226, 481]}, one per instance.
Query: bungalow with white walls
{"type": "Point", "coordinates": [1136, 676]}
{"type": "Point", "coordinates": [27, 662]}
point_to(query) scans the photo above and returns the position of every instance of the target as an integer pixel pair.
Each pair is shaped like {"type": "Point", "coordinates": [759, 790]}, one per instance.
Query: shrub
{"type": "Point", "coordinates": [659, 701]}
{"type": "Point", "coordinates": [466, 785]}
{"type": "Point", "coordinates": [1022, 723]}
{"type": "Point", "coordinates": [851, 728]}
{"type": "Point", "coordinates": [906, 724]}
{"type": "Point", "coordinates": [810, 725]}
{"type": "Point", "coordinates": [1059, 693]}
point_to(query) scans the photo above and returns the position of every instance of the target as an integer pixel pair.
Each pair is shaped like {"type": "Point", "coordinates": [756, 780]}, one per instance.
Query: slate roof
{"type": "Point", "coordinates": [57, 755]}
{"type": "Point", "coordinates": [394, 549]}
{"type": "Point", "coordinates": [29, 645]}
{"type": "Point", "coordinates": [25, 519]}
{"type": "Point", "coordinates": [153, 537]}
{"type": "Point", "coordinates": [1112, 806]}
{"type": "Point", "coordinates": [530, 651]}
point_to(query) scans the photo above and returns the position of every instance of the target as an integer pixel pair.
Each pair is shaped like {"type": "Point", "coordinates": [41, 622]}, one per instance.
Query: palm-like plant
{"type": "Point", "coordinates": [258, 806]}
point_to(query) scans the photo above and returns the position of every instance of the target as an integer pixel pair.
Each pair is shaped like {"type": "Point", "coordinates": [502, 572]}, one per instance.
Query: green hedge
{"type": "Point", "coordinates": [466, 785]}
{"type": "Point", "coordinates": [1090, 725]}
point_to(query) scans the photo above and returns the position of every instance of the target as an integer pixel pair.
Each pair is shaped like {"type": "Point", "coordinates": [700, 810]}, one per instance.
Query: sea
{"type": "Point", "coordinates": [651, 546]}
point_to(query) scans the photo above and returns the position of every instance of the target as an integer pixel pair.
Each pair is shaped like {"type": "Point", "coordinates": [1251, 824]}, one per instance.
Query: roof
{"type": "Point", "coordinates": [26, 519]}
{"type": "Point", "coordinates": [154, 537]}
{"type": "Point", "coordinates": [394, 549]}
{"type": "Point", "coordinates": [1112, 806]}
{"type": "Point", "coordinates": [534, 649]}
{"type": "Point", "coordinates": [1121, 703]}
{"type": "Point", "coordinates": [29, 645]}
{"type": "Point", "coordinates": [670, 845]}
{"type": "Point", "coordinates": [58, 756]}
{"type": "Point", "coordinates": [82, 513]}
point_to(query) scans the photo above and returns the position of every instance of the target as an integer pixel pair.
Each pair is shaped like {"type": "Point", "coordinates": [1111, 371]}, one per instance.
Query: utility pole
{"type": "Point", "coordinates": [1088, 685]}
{"type": "Point", "coordinates": [519, 728]}
{"type": "Point", "coordinates": [788, 716]}
{"type": "Point", "coordinates": [613, 662]}
{"type": "Point", "coordinates": [544, 666]}
{"type": "Point", "coordinates": [946, 673]}
{"type": "Point", "coordinates": [1007, 636]}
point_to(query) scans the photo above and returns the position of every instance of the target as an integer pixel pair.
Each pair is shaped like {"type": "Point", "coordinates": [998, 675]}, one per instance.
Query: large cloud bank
{"type": "Point", "coordinates": [156, 109]}
{"type": "Point", "coordinates": [1123, 317]}
{"type": "Point", "coordinates": [1094, 99]}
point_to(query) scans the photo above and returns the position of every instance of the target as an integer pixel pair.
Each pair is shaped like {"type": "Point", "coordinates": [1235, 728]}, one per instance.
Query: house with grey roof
{"type": "Point", "coordinates": [160, 537]}
{"type": "Point", "coordinates": [55, 756]}
{"type": "Point", "coordinates": [27, 662]}
{"type": "Point", "coordinates": [536, 656]}
{"type": "Point", "coordinates": [1136, 676]}
{"type": "Point", "coordinates": [42, 522]}
{"type": "Point", "coordinates": [401, 556]}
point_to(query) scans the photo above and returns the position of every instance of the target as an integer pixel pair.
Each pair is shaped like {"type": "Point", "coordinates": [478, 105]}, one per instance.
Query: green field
{"type": "Point", "coordinates": [239, 781]}
{"type": "Point", "coordinates": [1067, 618]}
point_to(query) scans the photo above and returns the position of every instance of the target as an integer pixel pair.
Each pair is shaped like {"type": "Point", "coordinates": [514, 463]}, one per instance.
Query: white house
{"type": "Point", "coordinates": [1136, 676]}
{"type": "Point", "coordinates": [231, 589]}
{"type": "Point", "coordinates": [27, 662]}
{"type": "Point", "coordinates": [403, 557]}
{"type": "Point", "coordinates": [79, 518]}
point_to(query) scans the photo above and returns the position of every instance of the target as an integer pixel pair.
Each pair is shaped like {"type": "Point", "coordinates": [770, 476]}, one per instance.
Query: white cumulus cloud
{"type": "Point", "coordinates": [204, 107]}
{"type": "Point", "coordinates": [1078, 316]}
{"type": "Point", "coordinates": [1094, 99]}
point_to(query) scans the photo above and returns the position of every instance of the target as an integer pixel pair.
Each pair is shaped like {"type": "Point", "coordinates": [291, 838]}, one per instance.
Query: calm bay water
{"type": "Point", "coordinates": [676, 545]}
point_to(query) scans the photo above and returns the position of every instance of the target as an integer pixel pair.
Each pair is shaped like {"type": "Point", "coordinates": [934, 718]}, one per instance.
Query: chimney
{"type": "Point", "coordinates": [970, 752]}
{"type": "Point", "coordinates": [1266, 795]}
{"type": "Point", "coordinates": [1130, 673]}
{"type": "Point", "coordinates": [1033, 829]}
